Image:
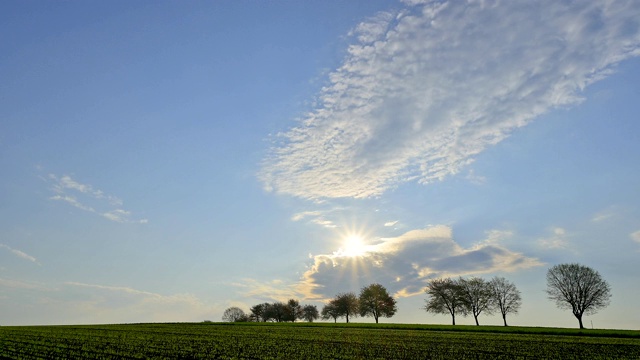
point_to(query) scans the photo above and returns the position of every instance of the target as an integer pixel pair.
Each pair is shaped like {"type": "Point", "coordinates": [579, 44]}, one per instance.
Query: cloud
{"type": "Point", "coordinates": [16, 284]}
{"type": "Point", "coordinates": [604, 214]}
{"type": "Point", "coordinates": [423, 91]}
{"type": "Point", "coordinates": [68, 190]}
{"type": "Point", "coordinates": [316, 217]}
{"type": "Point", "coordinates": [104, 303]}
{"type": "Point", "coordinates": [406, 263]}
{"type": "Point", "coordinates": [20, 254]}
{"type": "Point", "coordinates": [390, 223]}
{"type": "Point", "coordinates": [635, 236]}
{"type": "Point", "coordinates": [558, 239]}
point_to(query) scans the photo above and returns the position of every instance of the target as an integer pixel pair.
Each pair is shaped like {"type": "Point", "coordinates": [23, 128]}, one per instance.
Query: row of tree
{"type": "Point", "coordinates": [472, 296]}
{"type": "Point", "coordinates": [574, 287]}
{"type": "Point", "coordinates": [374, 301]}
{"type": "Point", "coordinates": [276, 312]}
{"type": "Point", "coordinates": [571, 286]}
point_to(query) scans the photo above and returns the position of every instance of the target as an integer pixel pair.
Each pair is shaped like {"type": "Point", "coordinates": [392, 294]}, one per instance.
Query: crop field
{"type": "Point", "coordinates": [315, 341]}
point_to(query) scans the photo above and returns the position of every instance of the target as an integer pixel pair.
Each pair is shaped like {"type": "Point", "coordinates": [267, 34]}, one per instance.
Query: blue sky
{"type": "Point", "coordinates": [162, 161]}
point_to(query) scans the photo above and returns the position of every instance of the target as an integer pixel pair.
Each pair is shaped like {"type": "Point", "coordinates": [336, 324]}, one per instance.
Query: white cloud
{"type": "Point", "coordinates": [110, 205]}
{"type": "Point", "coordinates": [419, 95]}
{"type": "Point", "coordinates": [406, 262]}
{"type": "Point", "coordinates": [390, 223]}
{"type": "Point", "coordinates": [604, 214]}
{"type": "Point", "coordinates": [103, 303]}
{"type": "Point", "coordinates": [558, 239]}
{"type": "Point", "coordinates": [635, 236]}
{"type": "Point", "coordinates": [16, 284]}
{"type": "Point", "coordinates": [20, 254]}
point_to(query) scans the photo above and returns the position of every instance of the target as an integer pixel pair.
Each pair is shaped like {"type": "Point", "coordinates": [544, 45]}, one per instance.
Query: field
{"type": "Point", "coordinates": [312, 341]}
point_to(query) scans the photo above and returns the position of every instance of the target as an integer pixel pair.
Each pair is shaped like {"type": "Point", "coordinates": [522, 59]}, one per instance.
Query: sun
{"type": "Point", "coordinates": [354, 246]}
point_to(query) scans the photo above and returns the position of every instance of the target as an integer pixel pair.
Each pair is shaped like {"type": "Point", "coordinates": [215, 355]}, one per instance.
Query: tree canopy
{"type": "Point", "coordinates": [579, 288]}
{"type": "Point", "coordinates": [375, 301]}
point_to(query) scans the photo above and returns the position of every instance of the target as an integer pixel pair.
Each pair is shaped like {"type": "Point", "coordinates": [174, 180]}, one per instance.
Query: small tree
{"type": "Point", "coordinates": [310, 313]}
{"type": "Point", "coordinates": [476, 296]}
{"type": "Point", "coordinates": [579, 288]}
{"type": "Point", "coordinates": [330, 311]}
{"type": "Point", "coordinates": [375, 301]}
{"type": "Point", "coordinates": [346, 304]}
{"type": "Point", "coordinates": [444, 298]}
{"type": "Point", "coordinates": [234, 314]}
{"type": "Point", "coordinates": [506, 297]}
{"type": "Point", "coordinates": [259, 312]}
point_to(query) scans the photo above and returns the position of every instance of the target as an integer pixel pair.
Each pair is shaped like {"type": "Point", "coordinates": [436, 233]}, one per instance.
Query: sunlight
{"type": "Point", "coordinates": [354, 246]}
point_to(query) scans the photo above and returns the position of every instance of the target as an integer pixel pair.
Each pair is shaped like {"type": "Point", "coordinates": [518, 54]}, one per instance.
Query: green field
{"type": "Point", "coordinates": [312, 341]}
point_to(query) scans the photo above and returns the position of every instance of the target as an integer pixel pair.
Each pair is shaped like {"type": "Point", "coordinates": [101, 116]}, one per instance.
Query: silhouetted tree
{"type": "Point", "coordinates": [258, 312]}
{"type": "Point", "coordinates": [579, 288]}
{"type": "Point", "coordinates": [293, 310]}
{"type": "Point", "coordinates": [234, 314]}
{"type": "Point", "coordinates": [310, 313]}
{"type": "Point", "coordinates": [444, 298]}
{"type": "Point", "coordinates": [276, 311]}
{"type": "Point", "coordinates": [346, 304]}
{"type": "Point", "coordinates": [330, 311]}
{"type": "Point", "coordinates": [476, 296]}
{"type": "Point", "coordinates": [375, 301]}
{"type": "Point", "coordinates": [506, 297]}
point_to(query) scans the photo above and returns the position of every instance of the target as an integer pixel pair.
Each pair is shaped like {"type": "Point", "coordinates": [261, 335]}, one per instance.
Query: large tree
{"type": "Point", "coordinates": [506, 297]}
{"type": "Point", "coordinates": [346, 304]}
{"type": "Point", "coordinates": [476, 296]}
{"type": "Point", "coordinates": [579, 288]}
{"type": "Point", "coordinates": [444, 298]}
{"type": "Point", "coordinates": [259, 312]}
{"type": "Point", "coordinates": [234, 314]}
{"type": "Point", "coordinates": [310, 313]}
{"type": "Point", "coordinates": [330, 311]}
{"type": "Point", "coordinates": [375, 301]}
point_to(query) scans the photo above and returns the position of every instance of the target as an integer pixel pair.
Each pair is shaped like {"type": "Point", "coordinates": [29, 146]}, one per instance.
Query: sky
{"type": "Point", "coordinates": [161, 161]}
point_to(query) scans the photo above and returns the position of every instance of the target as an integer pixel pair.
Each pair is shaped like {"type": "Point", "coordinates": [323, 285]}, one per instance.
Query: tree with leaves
{"type": "Point", "coordinates": [375, 301]}
{"type": "Point", "coordinates": [476, 296]}
{"type": "Point", "coordinates": [310, 313]}
{"type": "Point", "coordinates": [579, 288]}
{"type": "Point", "coordinates": [346, 305]}
{"type": "Point", "coordinates": [444, 298]}
{"type": "Point", "coordinates": [506, 297]}
{"type": "Point", "coordinates": [293, 310]}
{"type": "Point", "coordinates": [234, 314]}
{"type": "Point", "coordinates": [330, 311]}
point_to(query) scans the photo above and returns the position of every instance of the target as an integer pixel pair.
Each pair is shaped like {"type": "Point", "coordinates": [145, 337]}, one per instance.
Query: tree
{"type": "Point", "coordinates": [259, 311]}
{"type": "Point", "coordinates": [444, 298]}
{"type": "Point", "coordinates": [234, 314]}
{"type": "Point", "coordinates": [506, 297]}
{"type": "Point", "coordinates": [579, 288]}
{"type": "Point", "coordinates": [375, 301]}
{"type": "Point", "coordinates": [476, 296]}
{"type": "Point", "coordinates": [346, 304]}
{"type": "Point", "coordinates": [330, 311]}
{"type": "Point", "coordinates": [293, 311]}
{"type": "Point", "coordinates": [276, 311]}
{"type": "Point", "coordinates": [310, 313]}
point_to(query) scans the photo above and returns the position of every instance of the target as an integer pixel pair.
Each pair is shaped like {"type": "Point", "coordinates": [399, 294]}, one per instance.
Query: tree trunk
{"type": "Point", "coordinates": [453, 317]}
{"type": "Point", "coordinates": [580, 320]}
{"type": "Point", "coordinates": [347, 318]}
{"type": "Point", "coordinates": [376, 319]}
{"type": "Point", "coordinates": [476, 317]}
{"type": "Point", "coordinates": [504, 318]}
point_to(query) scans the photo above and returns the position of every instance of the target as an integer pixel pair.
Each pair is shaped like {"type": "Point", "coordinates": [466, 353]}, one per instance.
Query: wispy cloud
{"type": "Point", "coordinates": [424, 90]}
{"type": "Point", "coordinates": [68, 190]}
{"type": "Point", "coordinates": [17, 284]}
{"type": "Point", "coordinates": [558, 239]}
{"type": "Point", "coordinates": [604, 214]}
{"type": "Point", "coordinates": [315, 217]}
{"type": "Point", "coordinates": [635, 236]}
{"type": "Point", "coordinates": [406, 262]}
{"type": "Point", "coordinates": [390, 223]}
{"type": "Point", "coordinates": [20, 254]}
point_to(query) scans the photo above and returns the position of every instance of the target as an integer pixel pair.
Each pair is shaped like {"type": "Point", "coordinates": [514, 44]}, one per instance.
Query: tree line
{"type": "Point", "coordinates": [571, 286]}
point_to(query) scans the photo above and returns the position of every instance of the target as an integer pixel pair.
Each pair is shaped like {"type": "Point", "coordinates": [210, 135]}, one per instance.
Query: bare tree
{"type": "Point", "coordinates": [234, 314]}
{"type": "Point", "coordinates": [506, 297]}
{"type": "Point", "coordinates": [330, 311]}
{"type": "Point", "coordinates": [444, 298]}
{"type": "Point", "coordinates": [310, 313]}
{"type": "Point", "coordinates": [375, 301]}
{"type": "Point", "coordinates": [579, 288]}
{"type": "Point", "coordinates": [476, 296]}
{"type": "Point", "coordinates": [346, 304]}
